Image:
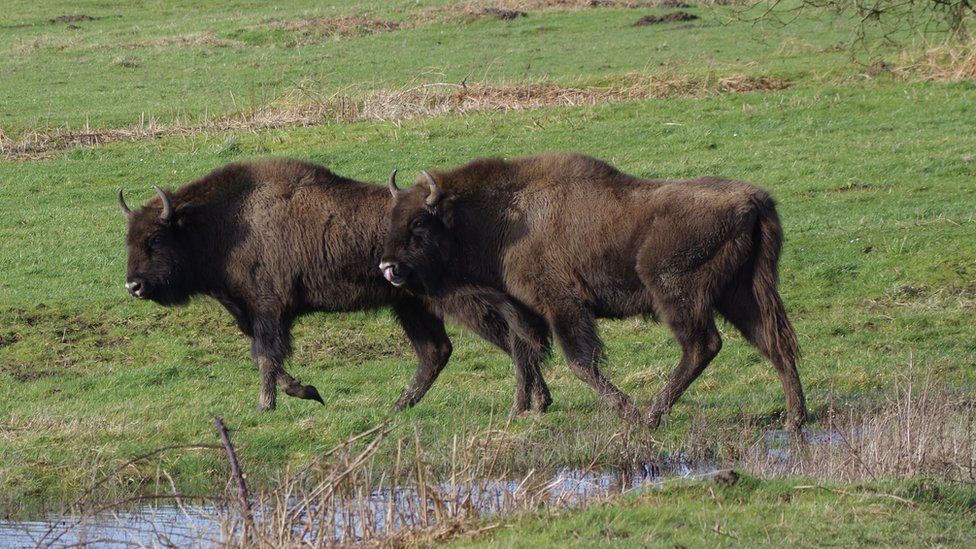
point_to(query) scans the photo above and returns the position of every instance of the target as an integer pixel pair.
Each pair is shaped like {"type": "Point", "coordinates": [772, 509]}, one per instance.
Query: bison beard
{"type": "Point", "coordinates": [276, 239]}
{"type": "Point", "coordinates": [574, 240]}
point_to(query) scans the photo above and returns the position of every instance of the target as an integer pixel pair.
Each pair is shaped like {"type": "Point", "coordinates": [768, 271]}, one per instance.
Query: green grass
{"type": "Point", "coordinates": [874, 180]}
{"type": "Point", "coordinates": [751, 513]}
{"type": "Point", "coordinates": [104, 75]}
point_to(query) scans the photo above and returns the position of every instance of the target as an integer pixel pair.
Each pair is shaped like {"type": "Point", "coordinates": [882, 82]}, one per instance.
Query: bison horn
{"type": "Point", "coordinates": [167, 212]}
{"type": "Point", "coordinates": [435, 192]}
{"type": "Point", "coordinates": [392, 184]}
{"type": "Point", "coordinates": [125, 209]}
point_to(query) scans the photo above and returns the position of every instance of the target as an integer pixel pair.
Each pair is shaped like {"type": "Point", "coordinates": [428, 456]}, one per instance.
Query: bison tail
{"type": "Point", "coordinates": [777, 332]}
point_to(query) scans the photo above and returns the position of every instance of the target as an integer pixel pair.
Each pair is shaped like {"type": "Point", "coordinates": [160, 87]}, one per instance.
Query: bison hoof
{"type": "Point", "coordinates": [403, 403]}
{"type": "Point", "coordinates": [266, 405]}
{"type": "Point", "coordinates": [311, 393]}
{"type": "Point", "coordinates": [519, 414]}
{"type": "Point", "coordinates": [306, 392]}
{"type": "Point", "coordinates": [541, 402]}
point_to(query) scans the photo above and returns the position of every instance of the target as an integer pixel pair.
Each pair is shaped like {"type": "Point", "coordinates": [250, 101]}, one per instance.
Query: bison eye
{"type": "Point", "coordinates": [154, 241]}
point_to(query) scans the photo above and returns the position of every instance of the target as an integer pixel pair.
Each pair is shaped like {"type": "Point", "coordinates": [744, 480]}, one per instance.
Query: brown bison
{"type": "Point", "coordinates": [276, 239]}
{"type": "Point", "coordinates": [574, 240]}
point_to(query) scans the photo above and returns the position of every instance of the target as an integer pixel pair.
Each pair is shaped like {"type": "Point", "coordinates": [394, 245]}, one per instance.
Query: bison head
{"type": "Point", "coordinates": [418, 242]}
{"type": "Point", "coordinates": [157, 251]}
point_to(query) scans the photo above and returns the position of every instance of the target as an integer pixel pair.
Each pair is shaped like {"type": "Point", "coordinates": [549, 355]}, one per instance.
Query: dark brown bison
{"type": "Point", "coordinates": [574, 239]}
{"type": "Point", "coordinates": [276, 239]}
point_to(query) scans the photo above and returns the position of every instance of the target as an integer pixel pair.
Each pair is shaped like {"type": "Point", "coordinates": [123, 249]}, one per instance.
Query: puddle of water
{"type": "Point", "coordinates": [780, 447]}
{"type": "Point", "coordinates": [200, 525]}
{"type": "Point", "coordinates": [385, 510]}
{"type": "Point", "coordinates": [152, 526]}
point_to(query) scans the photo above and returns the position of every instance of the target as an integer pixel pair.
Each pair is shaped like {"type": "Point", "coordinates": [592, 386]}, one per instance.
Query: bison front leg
{"type": "Point", "coordinates": [576, 333]}
{"type": "Point", "coordinates": [529, 357]}
{"type": "Point", "coordinates": [700, 342]}
{"type": "Point", "coordinates": [497, 319]}
{"type": "Point", "coordinates": [269, 348]}
{"type": "Point", "coordinates": [429, 340]}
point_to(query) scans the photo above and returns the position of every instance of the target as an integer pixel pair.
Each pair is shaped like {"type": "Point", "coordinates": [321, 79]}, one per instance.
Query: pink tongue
{"type": "Point", "coordinates": [388, 274]}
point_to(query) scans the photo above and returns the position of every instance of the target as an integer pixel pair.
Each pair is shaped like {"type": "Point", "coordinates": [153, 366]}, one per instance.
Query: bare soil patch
{"type": "Point", "coordinates": [505, 15]}
{"type": "Point", "coordinates": [25, 372]}
{"type": "Point", "coordinates": [72, 18]}
{"type": "Point", "coordinates": [673, 17]}
{"type": "Point", "coordinates": [8, 339]}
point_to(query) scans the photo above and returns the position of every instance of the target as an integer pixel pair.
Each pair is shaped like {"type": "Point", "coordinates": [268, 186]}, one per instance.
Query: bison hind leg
{"type": "Point", "coordinates": [740, 307]}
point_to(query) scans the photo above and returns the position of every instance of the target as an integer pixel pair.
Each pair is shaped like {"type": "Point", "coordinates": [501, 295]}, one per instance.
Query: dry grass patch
{"type": "Point", "coordinates": [513, 9]}
{"type": "Point", "coordinates": [440, 98]}
{"type": "Point", "coordinates": [435, 99]}
{"type": "Point", "coordinates": [353, 25]}
{"type": "Point", "coordinates": [474, 7]}
{"type": "Point", "coordinates": [944, 63]}
{"type": "Point", "coordinates": [316, 28]}
{"type": "Point", "coordinates": [919, 429]}
{"type": "Point", "coordinates": [204, 39]}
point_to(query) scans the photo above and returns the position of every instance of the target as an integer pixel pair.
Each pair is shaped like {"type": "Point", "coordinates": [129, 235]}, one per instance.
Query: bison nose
{"type": "Point", "coordinates": [135, 287]}
{"type": "Point", "coordinates": [389, 269]}
{"type": "Point", "coordinates": [391, 272]}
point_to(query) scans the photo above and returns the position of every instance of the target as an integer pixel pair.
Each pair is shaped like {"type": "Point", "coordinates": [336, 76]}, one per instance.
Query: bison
{"type": "Point", "coordinates": [574, 239]}
{"type": "Point", "coordinates": [273, 240]}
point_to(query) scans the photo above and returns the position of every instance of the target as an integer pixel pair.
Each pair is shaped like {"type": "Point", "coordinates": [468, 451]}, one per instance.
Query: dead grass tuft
{"type": "Point", "coordinates": [473, 6]}
{"type": "Point", "coordinates": [512, 9]}
{"type": "Point", "coordinates": [921, 430]}
{"type": "Point", "coordinates": [945, 63]}
{"type": "Point", "coordinates": [435, 99]}
{"type": "Point", "coordinates": [440, 99]}
{"type": "Point", "coordinates": [204, 39]}
{"type": "Point", "coordinates": [316, 27]}
{"type": "Point", "coordinates": [673, 17]}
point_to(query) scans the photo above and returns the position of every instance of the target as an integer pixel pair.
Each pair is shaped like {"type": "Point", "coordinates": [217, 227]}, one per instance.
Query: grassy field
{"type": "Point", "coordinates": [753, 513]}
{"type": "Point", "coordinates": [874, 175]}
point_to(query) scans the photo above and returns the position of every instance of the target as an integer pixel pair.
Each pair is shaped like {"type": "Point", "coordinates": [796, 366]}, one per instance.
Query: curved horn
{"type": "Point", "coordinates": [167, 212]}
{"type": "Point", "coordinates": [125, 209]}
{"type": "Point", "coordinates": [392, 184]}
{"type": "Point", "coordinates": [435, 192]}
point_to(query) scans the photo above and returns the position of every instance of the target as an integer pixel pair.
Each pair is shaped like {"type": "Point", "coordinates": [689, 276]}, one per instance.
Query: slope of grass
{"type": "Point", "coordinates": [754, 513]}
{"type": "Point", "coordinates": [874, 180]}
{"type": "Point", "coordinates": [168, 62]}
{"type": "Point", "coordinates": [874, 192]}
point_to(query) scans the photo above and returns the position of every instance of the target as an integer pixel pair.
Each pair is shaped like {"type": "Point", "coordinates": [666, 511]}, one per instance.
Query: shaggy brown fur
{"type": "Point", "coordinates": [273, 240]}
{"type": "Point", "coordinates": [574, 239]}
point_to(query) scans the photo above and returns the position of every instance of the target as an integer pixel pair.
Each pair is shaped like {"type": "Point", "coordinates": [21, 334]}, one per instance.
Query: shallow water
{"type": "Point", "coordinates": [388, 509]}
{"type": "Point", "coordinates": [152, 526]}
{"type": "Point", "coordinates": [193, 525]}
